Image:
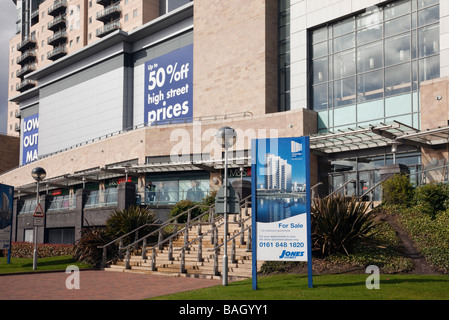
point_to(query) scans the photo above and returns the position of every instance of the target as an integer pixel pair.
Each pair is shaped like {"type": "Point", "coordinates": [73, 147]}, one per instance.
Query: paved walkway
{"type": "Point", "coordinates": [96, 285]}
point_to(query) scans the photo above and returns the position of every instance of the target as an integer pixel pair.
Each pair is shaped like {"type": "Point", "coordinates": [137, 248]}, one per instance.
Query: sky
{"type": "Point", "coordinates": [7, 31]}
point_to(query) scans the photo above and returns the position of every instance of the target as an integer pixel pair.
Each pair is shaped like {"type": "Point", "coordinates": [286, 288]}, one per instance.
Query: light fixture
{"type": "Point", "coordinates": [38, 174]}
{"type": "Point", "coordinates": [226, 138]}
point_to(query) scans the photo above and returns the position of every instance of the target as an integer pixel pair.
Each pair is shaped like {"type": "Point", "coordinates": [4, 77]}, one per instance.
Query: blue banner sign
{"type": "Point", "coordinates": [169, 87]}
{"type": "Point", "coordinates": [6, 204]}
{"type": "Point", "coordinates": [281, 200]}
{"type": "Point", "coordinates": [30, 139]}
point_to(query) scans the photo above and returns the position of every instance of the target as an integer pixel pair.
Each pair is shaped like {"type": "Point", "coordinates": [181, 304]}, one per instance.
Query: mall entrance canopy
{"type": "Point", "coordinates": [381, 135]}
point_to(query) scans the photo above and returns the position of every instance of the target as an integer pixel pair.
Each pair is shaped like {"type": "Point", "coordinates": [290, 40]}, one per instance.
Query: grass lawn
{"type": "Point", "coordinates": [43, 264]}
{"type": "Point", "coordinates": [325, 287]}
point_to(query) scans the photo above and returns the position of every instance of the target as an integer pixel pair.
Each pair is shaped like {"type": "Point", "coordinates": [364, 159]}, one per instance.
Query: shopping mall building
{"type": "Point", "coordinates": [107, 105]}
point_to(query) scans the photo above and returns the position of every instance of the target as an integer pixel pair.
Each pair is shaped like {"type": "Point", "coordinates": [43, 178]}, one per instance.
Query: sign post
{"type": "Point", "coordinates": [281, 216]}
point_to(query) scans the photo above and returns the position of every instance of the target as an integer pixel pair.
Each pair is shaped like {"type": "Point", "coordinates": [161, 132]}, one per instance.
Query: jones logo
{"type": "Point", "coordinates": [291, 254]}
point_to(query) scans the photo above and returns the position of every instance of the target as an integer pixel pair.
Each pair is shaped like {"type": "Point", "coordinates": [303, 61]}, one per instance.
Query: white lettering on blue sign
{"type": "Point", "coordinates": [30, 139]}
{"type": "Point", "coordinates": [168, 87]}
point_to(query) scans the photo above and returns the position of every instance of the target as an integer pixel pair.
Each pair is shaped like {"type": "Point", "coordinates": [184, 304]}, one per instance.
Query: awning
{"type": "Point", "coordinates": [382, 135]}
{"type": "Point", "coordinates": [98, 174]}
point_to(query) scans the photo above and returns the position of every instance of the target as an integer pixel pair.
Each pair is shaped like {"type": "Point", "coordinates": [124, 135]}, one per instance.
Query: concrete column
{"type": "Point", "coordinates": [126, 195]}
{"type": "Point", "coordinates": [81, 196]}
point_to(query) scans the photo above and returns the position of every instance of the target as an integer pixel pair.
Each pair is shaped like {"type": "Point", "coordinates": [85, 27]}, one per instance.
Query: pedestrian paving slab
{"type": "Point", "coordinates": [96, 285]}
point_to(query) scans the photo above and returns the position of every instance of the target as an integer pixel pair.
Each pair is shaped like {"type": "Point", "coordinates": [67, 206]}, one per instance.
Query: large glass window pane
{"type": "Point", "coordinates": [344, 64]}
{"type": "Point", "coordinates": [319, 50]}
{"type": "Point", "coordinates": [320, 98]}
{"type": "Point", "coordinates": [397, 9]}
{"type": "Point", "coordinates": [429, 15]}
{"type": "Point", "coordinates": [320, 70]}
{"type": "Point", "coordinates": [370, 19]}
{"type": "Point", "coordinates": [426, 3]}
{"type": "Point", "coordinates": [370, 86]}
{"type": "Point", "coordinates": [397, 80]}
{"type": "Point", "coordinates": [344, 27]}
{"type": "Point", "coordinates": [398, 25]}
{"type": "Point", "coordinates": [345, 116]}
{"type": "Point", "coordinates": [369, 35]}
{"type": "Point", "coordinates": [398, 105]}
{"type": "Point", "coordinates": [397, 49]}
{"type": "Point", "coordinates": [319, 35]}
{"type": "Point", "coordinates": [429, 68]}
{"type": "Point", "coordinates": [344, 42]}
{"type": "Point", "coordinates": [370, 110]}
{"type": "Point", "coordinates": [344, 92]}
{"type": "Point", "coordinates": [429, 41]}
{"type": "Point", "coordinates": [370, 57]}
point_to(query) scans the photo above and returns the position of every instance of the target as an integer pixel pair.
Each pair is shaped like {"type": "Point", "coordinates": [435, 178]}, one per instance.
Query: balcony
{"type": "Point", "coordinates": [58, 38]}
{"type": "Point", "coordinates": [26, 69]}
{"type": "Point", "coordinates": [34, 17]}
{"type": "Point", "coordinates": [27, 43]}
{"type": "Point", "coordinates": [108, 28]}
{"type": "Point", "coordinates": [57, 23]}
{"type": "Point", "coordinates": [57, 53]}
{"type": "Point", "coordinates": [110, 13]}
{"type": "Point", "coordinates": [27, 56]}
{"type": "Point", "coordinates": [58, 7]}
{"type": "Point", "coordinates": [25, 85]}
{"type": "Point", "coordinates": [104, 2]}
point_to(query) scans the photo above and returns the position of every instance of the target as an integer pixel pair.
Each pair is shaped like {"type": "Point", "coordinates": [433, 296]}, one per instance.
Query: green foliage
{"type": "Point", "coordinates": [339, 223]}
{"type": "Point", "coordinates": [184, 205]}
{"type": "Point", "coordinates": [397, 190]}
{"type": "Point", "coordinates": [86, 248]}
{"type": "Point", "coordinates": [432, 198]}
{"type": "Point", "coordinates": [122, 222]}
{"type": "Point", "coordinates": [118, 224]}
{"type": "Point", "coordinates": [44, 250]}
{"type": "Point", "coordinates": [430, 235]}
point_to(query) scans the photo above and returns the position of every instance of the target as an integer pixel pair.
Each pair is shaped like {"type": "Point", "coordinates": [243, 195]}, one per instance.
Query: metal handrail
{"type": "Point", "coordinates": [162, 226]}
{"type": "Point", "coordinates": [343, 186]}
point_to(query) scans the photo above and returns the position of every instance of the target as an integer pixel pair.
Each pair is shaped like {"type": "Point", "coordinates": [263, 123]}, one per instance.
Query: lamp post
{"type": "Point", "coordinates": [38, 174]}
{"type": "Point", "coordinates": [226, 138]}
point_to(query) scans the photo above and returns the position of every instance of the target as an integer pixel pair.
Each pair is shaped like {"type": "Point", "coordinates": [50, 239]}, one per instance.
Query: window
{"type": "Point", "coordinates": [284, 56]}
{"type": "Point", "coordinates": [135, 13]}
{"type": "Point", "coordinates": [384, 52]}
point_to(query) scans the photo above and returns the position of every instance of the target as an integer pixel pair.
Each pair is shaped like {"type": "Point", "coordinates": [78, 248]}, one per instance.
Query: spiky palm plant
{"type": "Point", "coordinates": [339, 222]}
{"type": "Point", "coordinates": [122, 222]}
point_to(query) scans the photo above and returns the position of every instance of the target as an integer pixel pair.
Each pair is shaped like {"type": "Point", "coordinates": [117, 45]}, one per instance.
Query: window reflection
{"type": "Point", "coordinates": [383, 52]}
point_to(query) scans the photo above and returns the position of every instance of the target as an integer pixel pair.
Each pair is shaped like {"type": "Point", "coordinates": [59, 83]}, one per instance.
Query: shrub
{"type": "Point", "coordinates": [119, 223]}
{"type": "Point", "coordinates": [397, 190]}
{"type": "Point", "coordinates": [183, 206]}
{"type": "Point", "coordinates": [432, 198]}
{"type": "Point", "coordinates": [44, 250]}
{"type": "Point", "coordinates": [122, 222]}
{"type": "Point", "coordinates": [86, 248]}
{"type": "Point", "coordinates": [339, 223]}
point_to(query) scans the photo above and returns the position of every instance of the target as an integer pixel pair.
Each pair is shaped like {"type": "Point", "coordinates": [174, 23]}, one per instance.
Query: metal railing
{"type": "Point", "coordinates": [171, 222]}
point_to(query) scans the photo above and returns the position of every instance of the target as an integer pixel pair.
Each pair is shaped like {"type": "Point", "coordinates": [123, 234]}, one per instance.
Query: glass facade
{"type": "Point", "coordinates": [367, 68]}
{"type": "Point", "coordinates": [284, 54]}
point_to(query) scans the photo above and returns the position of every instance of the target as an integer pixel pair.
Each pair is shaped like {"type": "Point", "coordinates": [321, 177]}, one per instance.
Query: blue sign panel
{"type": "Point", "coordinates": [281, 200]}
{"type": "Point", "coordinates": [169, 87]}
{"type": "Point", "coordinates": [6, 204]}
{"type": "Point", "coordinates": [30, 139]}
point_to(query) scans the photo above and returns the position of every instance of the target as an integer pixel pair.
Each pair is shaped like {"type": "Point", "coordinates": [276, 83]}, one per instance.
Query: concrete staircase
{"type": "Point", "coordinates": [168, 259]}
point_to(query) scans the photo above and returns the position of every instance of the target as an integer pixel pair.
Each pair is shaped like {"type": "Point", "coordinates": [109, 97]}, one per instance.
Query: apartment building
{"type": "Point", "coordinates": [48, 30]}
